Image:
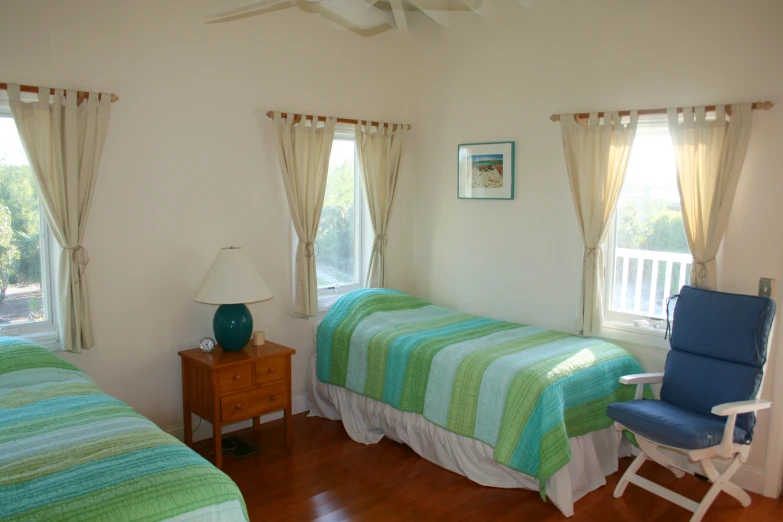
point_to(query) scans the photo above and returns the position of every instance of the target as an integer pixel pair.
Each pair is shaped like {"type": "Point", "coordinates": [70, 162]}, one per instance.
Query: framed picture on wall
{"type": "Point", "coordinates": [486, 170]}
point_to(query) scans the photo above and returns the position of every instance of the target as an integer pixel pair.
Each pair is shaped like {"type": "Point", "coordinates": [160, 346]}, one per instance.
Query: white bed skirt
{"type": "Point", "coordinates": [368, 421]}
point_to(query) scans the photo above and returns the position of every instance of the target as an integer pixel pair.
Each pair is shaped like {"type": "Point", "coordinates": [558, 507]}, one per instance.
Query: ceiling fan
{"type": "Point", "coordinates": [363, 17]}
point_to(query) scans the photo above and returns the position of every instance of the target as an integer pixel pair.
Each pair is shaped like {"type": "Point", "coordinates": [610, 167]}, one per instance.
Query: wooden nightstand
{"type": "Point", "coordinates": [226, 387]}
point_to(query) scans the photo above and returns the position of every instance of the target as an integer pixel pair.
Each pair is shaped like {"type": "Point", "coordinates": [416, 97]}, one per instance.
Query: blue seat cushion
{"type": "Point", "coordinates": [670, 425]}
{"type": "Point", "coordinates": [730, 327]}
{"type": "Point", "coordinates": [696, 383]}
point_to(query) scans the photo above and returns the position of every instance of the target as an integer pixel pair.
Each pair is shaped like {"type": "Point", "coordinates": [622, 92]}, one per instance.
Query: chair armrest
{"type": "Point", "coordinates": [736, 408]}
{"type": "Point", "coordinates": [731, 410]}
{"type": "Point", "coordinates": [642, 378]}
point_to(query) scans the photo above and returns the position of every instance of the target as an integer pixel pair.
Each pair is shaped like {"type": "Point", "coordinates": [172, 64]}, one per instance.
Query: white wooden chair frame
{"type": "Point", "coordinates": [727, 449]}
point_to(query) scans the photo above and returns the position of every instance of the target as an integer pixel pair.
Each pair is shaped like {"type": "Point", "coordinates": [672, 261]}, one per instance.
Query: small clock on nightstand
{"type": "Point", "coordinates": [207, 344]}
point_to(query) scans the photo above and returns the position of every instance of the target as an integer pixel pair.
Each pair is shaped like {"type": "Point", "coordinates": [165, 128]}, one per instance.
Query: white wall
{"type": "Point", "coordinates": [188, 167]}
{"type": "Point", "coordinates": [499, 78]}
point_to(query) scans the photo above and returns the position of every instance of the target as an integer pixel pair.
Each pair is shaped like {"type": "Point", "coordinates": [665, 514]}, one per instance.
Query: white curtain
{"type": "Point", "coordinates": [304, 148]}
{"type": "Point", "coordinates": [596, 153]}
{"type": "Point", "coordinates": [379, 149]}
{"type": "Point", "coordinates": [709, 155]}
{"type": "Point", "coordinates": [63, 137]}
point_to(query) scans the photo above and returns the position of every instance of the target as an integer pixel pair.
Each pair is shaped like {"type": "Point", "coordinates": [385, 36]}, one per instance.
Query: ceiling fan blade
{"type": "Point", "coordinates": [437, 5]}
{"type": "Point", "coordinates": [357, 16]}
{"type": "Point", "coordinates": [477, 6]}
{"type": "Point", "coordinates": [250, 9]}
{"type": "Point", "coordinates": [437, 16]}
{"type": "Point", "coordinates": [399, 15]}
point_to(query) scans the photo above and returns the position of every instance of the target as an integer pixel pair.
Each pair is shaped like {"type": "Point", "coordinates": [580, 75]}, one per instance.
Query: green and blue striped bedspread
{"type": "Point", "coordinates": [70, 452]}
{"type": "Point", "coordinates": [523, 390]}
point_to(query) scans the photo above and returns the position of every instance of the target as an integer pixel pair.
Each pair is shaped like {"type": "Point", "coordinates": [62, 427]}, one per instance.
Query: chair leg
{"type": "Point", "coordinates": [632, 469]}
{"type": "Point", "coordinates": [738, 493]}
{"type": "Point", "coordinates": [732, 489]}
{"type": "Point", "coordinates": [720, 483]}
{"type": "Point", "coordinates": [706, 502]}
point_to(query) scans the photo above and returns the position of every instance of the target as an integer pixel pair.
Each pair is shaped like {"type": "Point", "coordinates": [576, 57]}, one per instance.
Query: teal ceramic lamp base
{"type": "Point", "coordinates": [233, 326]}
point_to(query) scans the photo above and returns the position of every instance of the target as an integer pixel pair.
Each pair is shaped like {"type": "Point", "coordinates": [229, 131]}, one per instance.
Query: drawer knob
{"type": "Point", "coordinates": [237, 377]}
{"type": "Point", "coordinates": [273, 398]}
{"type": "Point", "coordinates": [271, 370]}
{"type": "Point", "coordinates": [238, 407]}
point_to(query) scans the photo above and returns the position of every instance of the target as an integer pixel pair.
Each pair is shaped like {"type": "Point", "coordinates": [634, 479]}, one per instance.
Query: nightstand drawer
{"type": "Point", "coordinates": [235, 378]}
{"type": "Point", "coordinates": [242, 405]}
{"type": "Point", "coordinates": [270, 370]}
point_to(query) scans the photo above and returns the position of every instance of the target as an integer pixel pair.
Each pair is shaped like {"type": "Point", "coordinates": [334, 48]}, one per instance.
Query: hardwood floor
{"type": "Point", "coordinates": [327, 476]}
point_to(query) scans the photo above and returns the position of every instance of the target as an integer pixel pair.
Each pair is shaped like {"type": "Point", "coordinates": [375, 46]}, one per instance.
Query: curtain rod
{"type": "Point", "coordinates": [271, 114]}
{"type": "Point", "coordinates": [34, 90]}
{"type": "Point", "coordinates": [757, 106]}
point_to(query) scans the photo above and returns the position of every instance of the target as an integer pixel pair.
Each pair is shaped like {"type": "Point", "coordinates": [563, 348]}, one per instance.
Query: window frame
{"type": "Point", "coordinates": [624, 326]}
{"type": "Point", "coordinates": [44, 332]}
{"type": "Point", "coordinates": [328, 294]}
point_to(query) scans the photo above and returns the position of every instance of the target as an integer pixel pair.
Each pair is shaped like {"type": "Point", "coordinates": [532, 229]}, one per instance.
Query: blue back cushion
{"type": "Point", "coordinates": [719, 347]}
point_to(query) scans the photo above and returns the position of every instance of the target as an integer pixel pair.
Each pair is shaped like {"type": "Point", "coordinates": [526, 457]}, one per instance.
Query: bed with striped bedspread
{"type": "Point", "coordinates": [70, 452]}
{"type": "Point", "coordinates": [522, 390]}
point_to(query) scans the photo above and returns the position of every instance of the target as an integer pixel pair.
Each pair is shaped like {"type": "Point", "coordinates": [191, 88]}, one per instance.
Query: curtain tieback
{"type": "Point", "coordinates": [79, 256]}
{"type": "Point", "coordinates": [310, 250]}
{"type": "Point", "coordinates": [701, 266]}
{"type": "Point", "coordinates": [590, 257]}
{"type": "Point", "coordinates": [381, 240]}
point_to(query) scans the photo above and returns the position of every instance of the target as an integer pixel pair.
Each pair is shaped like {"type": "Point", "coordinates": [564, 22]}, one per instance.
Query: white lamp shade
{"type": "Point", "coordinates": [232, 279]}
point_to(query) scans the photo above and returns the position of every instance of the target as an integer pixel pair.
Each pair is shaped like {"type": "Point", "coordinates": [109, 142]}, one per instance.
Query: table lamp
{"type": "Point", "coordinates": [231, 282]}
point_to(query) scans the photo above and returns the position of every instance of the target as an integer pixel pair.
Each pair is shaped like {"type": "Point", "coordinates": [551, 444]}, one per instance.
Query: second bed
{"type": "Point", "coordinates": [504, 404]}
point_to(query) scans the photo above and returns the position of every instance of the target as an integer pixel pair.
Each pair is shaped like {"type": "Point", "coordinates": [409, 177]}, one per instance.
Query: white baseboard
{"type": "Point", "coordinates": [299, 404]}
{"type": "Point", "coordinates": [748, 478]}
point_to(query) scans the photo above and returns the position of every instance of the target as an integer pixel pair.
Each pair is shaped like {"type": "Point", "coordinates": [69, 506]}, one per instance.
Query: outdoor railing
{"type": "Point", "coordinates": [652, 280]}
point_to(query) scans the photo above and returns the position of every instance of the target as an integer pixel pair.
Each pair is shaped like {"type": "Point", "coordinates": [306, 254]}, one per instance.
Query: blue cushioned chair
{"type": "Point", "coordinates": [708, 399]}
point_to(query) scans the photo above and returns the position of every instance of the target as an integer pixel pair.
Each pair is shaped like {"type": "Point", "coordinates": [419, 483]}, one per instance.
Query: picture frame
{"type": "Point", "coordinates": [486, 170]}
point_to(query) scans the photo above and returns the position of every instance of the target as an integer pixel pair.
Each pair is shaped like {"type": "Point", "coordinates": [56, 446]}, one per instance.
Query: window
{"type": "Point", "coordinates": [648, 258]}
{"type": "Point", "coordinates": [25, 296]}
{"type": "Point", "coordinates": [340, 243]}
